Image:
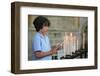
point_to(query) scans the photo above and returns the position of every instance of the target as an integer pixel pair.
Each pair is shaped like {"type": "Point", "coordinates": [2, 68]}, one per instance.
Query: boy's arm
{"type": "Point", "coordinates": [40, 54]}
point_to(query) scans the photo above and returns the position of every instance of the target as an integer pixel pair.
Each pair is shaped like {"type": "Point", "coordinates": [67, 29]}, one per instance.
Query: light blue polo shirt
{"type": "Point", "coordinates": [41, 43]}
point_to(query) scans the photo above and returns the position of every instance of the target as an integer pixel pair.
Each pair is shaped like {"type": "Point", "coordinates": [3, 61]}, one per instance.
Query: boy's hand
{"type": "Point", "coordinates": [54, 50]}
{"type": "Point", "coordinates": [59, 46]}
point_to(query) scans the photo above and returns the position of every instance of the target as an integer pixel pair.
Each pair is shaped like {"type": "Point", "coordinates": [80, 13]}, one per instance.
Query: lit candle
{"type": "Point", "coordinates": [71, 43]}
{"type": "Point", "coordinates": [65, 44]}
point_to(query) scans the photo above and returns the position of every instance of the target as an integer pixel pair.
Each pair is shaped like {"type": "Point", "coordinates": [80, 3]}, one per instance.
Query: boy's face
{"type": "Point", "coordinates": [44, 30]}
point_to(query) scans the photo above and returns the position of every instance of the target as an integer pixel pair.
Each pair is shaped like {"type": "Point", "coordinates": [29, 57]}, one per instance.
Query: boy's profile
{"type": "Point", "coordinates": [40, 43]}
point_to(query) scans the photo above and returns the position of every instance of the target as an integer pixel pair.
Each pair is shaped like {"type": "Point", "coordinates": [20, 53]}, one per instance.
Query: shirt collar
{"type": "Point", "coordinates": [41, 35]}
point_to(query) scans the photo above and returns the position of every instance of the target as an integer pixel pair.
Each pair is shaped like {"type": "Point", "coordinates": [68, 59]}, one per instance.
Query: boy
{"type": "Point", "coordinates": [40, 43]}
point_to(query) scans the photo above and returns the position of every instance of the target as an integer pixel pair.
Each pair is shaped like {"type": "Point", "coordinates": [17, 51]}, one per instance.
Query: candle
{"type": "Point", "coordinates": [65, 44]}
{"type": "Point", "coordinates": [77, 44]}
{"type": "Point", "coordinates": [74, 42]}
{"type": "Point", "coordinates": [71, 43]}
{"type": "Point", "coordinates": [83, 40]}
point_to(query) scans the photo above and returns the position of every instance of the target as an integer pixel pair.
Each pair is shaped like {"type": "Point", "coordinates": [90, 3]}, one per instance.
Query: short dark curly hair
{"type": "Point", "coordinates": [40, 21]}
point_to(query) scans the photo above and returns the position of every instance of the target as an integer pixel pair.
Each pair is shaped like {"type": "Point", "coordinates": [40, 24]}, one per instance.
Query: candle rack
{"type": "Point", "coordinates": [82, 53]}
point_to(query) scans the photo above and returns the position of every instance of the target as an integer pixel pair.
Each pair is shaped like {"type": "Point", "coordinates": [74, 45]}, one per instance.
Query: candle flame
{"type": "Point", "coordinates": [71, 34]}
{"type": "Point", "coordinates": [66, 37]}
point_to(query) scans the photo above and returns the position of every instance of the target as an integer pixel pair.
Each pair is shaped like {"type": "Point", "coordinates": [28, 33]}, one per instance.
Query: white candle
{"type": "Point", "coordinates": [71, 43]}
{"type": "Point", "coordinates": [74, 43]}
{"type": "Point", "coordinates": [65, 44]}
{"type": "Point", "coordinates": [77, 43]}
{"type": "Point", "coordinates": [68, 47]}
{"type": "Point", "coordinates": [83, 40]}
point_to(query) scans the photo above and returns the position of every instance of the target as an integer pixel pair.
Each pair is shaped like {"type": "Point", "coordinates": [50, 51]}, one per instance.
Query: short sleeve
{"type": "Point", "coordinates": [36, 44]}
